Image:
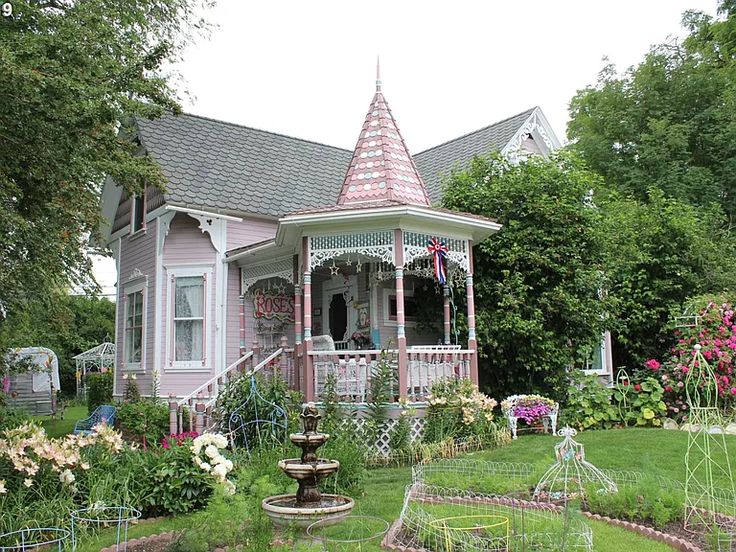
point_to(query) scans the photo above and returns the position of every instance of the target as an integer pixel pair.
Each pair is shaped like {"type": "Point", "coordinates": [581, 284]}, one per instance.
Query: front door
{"type": "Point", "coordinates": [339, 294]}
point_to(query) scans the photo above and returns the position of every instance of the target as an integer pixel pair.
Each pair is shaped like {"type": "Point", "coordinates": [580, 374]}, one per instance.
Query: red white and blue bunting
{"type": "Point", "coordinates": [438, 250]}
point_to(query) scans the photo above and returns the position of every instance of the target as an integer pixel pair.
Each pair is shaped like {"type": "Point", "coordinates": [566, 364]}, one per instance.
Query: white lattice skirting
{"type": "Point", "coordinates": [382, 446]}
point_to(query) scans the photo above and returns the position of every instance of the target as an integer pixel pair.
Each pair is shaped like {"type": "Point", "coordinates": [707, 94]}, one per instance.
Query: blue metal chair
{"type": "Point", "coordinates": [103, 413]}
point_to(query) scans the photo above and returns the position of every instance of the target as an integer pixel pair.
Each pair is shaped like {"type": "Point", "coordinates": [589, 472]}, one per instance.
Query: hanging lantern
{"type": "Point", "coordinates": [438, 250]}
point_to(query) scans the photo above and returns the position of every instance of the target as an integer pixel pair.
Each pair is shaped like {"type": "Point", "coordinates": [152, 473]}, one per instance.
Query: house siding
{"type": "Point", "coordinates": [232, 339]}
{"type": "Point", "coordinates": [250, 230]}
{"type": "Point", "coordinates": [186, 244]}
{"type": "Point", "coordinates": [137, 253]}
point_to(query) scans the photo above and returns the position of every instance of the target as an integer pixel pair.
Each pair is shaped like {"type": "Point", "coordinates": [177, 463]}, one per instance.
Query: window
{"type": "Point", "coordinates": [134, 327]}
{"type": "Point", "coordinates": [189, 319]}
{"type": "Point", "coordinates": [596, 361]}
{"type": "Point", "coordinates": [410, 307]}
{"type": "Point", "coordinates": [138, 214]}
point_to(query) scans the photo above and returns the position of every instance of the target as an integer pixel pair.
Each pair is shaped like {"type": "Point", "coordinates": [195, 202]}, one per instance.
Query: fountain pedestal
{"type": "Point", "coordinates": [308, 504]}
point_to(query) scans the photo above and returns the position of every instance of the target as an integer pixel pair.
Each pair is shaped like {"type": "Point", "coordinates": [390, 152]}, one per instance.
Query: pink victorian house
{"type": "Point", "coordinates": [267, 250]}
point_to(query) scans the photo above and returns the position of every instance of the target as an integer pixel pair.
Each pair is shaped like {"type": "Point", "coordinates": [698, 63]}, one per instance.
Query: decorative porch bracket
{"type": "Point", "coordinates": [415, 247]}
{"type": "Point", "coordinates": [278, 268]}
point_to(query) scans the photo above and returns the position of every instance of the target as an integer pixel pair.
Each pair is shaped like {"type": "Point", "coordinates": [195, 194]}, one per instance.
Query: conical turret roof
{"type": "Point", "coordinates": [381, 167]}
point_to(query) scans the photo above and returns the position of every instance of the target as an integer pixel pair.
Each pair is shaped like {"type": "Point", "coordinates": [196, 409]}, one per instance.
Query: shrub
{"type": "Point", "coordinates": [145, 420]}
{"type": "Point", "coordinates": [275, 394]}
{"type": "Point", "coordinates": [176, 480]}
{"type": "Point", "coordinates": [588, 404]}
{"type": "Point", "coordinates": [649, 502]}
{"type": "Point", "coordinates": [713, 327]}
{"type": "Point", "coordinates": [132, 393]}
{"type": "Point", "coordinates": [640, 403]}
{"type": "Point", "coordinates": [12, 417]}
{"type": "Point", "coordinates": [99, 389]}
{"type": "Point", "coordinates": [458, 410]}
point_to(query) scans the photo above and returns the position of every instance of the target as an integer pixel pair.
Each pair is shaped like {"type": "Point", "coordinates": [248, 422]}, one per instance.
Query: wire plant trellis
{"type": "Point", "coordinates": [352, 533]}
{"type": "Point", "coordinates": [707, 465]}
{"type": "Point", "coordinates": [119, 517]}
{"type": "Point", "coordinates": [571, 473]}
{"type": "Point", "coordinates": [258, 421]}
{"type": "Point", "coordinates": [441, 519]}
{"type": "Point", "coordinates": [35, 538]}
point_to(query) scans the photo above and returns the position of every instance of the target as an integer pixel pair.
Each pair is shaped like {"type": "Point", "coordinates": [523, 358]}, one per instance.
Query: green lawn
{"type": "Point", "coordinates": [57, 427]}
{"type": "Point", "coordinates": [651, 451]}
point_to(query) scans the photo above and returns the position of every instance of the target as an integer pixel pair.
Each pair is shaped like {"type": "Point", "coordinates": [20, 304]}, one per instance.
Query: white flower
{"type": "Point", "coordinates": [3, 490]}
{"type": "Point", "coordinates": [212, 451]}
{"type": "Point", "coordinates": [205, 466]}
{"type": "Point", "coordinates": [28, 481]}
{"type": "Point", "coordinates": [229, 465]}
{"type": "Point", "coordinates": [220, 471]}
{"type": "Point", "coordinates": [67, 477]}
{"type": "Point", "coordinates": [84, 466]}
{"type": "Point", "coordinates": [133, 376]}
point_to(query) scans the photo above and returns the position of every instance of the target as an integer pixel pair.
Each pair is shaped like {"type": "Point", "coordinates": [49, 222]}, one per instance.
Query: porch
{"type": "Point", "coordinates": [356, 301]}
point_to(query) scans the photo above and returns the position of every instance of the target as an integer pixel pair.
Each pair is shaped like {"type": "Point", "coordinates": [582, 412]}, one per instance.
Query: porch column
{"type": "Point", "coordinates": [446, 290]}
{"type": "Point", "coordinates": [472, 343]}
{"type": "Point", "coordinates": [400, 319]}
{"type": "Point", "coordinates": [242, 323]}
{"type": "Point", "coordinates": [297, 315]}
{"type": "Point", "coordinates": [308, 364]}
{"type": "Point", "coordinates": [298, 370]}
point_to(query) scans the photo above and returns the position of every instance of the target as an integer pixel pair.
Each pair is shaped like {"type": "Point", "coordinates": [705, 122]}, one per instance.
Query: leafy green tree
{"type": "Point", "coordinates": [67, 324]}
{"type": "Point", "coordinates": [538, 280]}
{"type": "Point", "coordinates": [669, 122]}
{"type": "Point", "coordinates": [72, 75]}
{"type": "Point", "coordinates": [659, 253]}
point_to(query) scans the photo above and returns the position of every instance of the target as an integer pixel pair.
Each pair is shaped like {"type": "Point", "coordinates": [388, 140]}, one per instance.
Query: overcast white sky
{"type": "Point", "coordinates": [307, 69]}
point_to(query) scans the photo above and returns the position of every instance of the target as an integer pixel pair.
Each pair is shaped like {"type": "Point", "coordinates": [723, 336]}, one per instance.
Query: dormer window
{"type": "Point", "coordinates": [138, 213]}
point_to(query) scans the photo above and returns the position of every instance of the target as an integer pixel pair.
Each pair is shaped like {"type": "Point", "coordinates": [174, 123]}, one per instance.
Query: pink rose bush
{"type": "Point", "coordinates": [714, 329]}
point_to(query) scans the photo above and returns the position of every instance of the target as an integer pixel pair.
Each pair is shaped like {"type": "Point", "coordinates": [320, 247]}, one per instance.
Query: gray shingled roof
{"type": "Point", "coordinates": [438, 161]}
{"type": "Point", "coordinates": [229, 167]}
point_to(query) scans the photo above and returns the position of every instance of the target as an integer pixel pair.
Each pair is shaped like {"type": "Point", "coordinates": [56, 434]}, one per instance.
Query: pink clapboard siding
{"type": "Point", "coordinates": [186, 245]}
{"type": "Point", "coordinates": [250, 230]}
{"type": "Point", "coordinates": [232, 338]}
{"type": "Point", "coordinates": [137, 253]}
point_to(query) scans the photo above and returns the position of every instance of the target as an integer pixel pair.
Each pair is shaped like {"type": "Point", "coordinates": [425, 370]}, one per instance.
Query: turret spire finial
{"type": "Point", "coordinates": [378, 74]}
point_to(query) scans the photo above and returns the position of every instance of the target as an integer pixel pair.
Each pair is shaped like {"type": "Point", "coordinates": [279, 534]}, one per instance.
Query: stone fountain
{"type": "Point", "coordinates": [308, 504]}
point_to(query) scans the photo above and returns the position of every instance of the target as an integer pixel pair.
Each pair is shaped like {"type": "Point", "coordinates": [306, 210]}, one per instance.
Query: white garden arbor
{"type": "Point", "coordinates": [100, 358]}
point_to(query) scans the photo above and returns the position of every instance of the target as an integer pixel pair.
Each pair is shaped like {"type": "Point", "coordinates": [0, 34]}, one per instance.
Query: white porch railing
{"type": "Point", "coordinates": [353, 370]}
{"type": "Point", "coordinates": [200, 403]}
{"type": "Point", "coordinates": [426, 366]}
{"type": "Point", "coordinates": [208, 391]}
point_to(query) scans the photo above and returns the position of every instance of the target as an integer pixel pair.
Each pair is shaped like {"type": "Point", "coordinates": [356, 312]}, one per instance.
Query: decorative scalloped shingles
{"type": "Point", "coordinates": [381, 167]}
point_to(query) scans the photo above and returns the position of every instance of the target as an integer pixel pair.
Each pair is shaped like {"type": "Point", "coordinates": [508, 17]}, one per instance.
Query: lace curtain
{"type": "Point", "coordinates": [189, 318]}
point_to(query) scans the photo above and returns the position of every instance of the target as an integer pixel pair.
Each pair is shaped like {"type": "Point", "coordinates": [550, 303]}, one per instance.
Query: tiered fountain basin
{"type": "Point", "coordinates": [284, 512]}
{"type": "Point", "coordinates": [308, 505]}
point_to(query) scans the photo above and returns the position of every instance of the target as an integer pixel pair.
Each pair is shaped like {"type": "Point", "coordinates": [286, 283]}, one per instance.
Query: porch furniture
{"type": "Point", "coordinates": [103, 414]}
{"type": "Point", "coordinates": [508, 405]}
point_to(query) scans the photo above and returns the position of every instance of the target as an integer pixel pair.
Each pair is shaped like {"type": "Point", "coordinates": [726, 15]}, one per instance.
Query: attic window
{"type": "Point", "coordinates": [138, 214]}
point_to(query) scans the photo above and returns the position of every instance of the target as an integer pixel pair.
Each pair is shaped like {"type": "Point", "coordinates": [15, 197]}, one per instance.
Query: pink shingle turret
{"type": "Point", "coordinates": [381, 168]}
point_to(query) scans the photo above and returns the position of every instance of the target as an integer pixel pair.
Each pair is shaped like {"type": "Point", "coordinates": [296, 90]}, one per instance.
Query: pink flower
{"type": "Point", "coordinates": [652, 364]}
{"type": "Point", "coordinates": [668, 388]}
{"type": "Point", "coordinates": [637, 387]}
{"type": "Point", "coordinates": [733, 390]}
